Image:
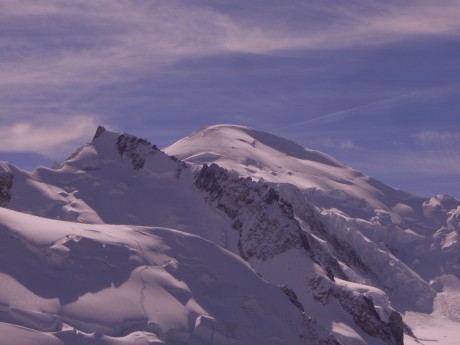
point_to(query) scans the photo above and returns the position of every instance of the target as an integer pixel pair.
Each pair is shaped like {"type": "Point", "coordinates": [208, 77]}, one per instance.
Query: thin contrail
{"type": "Point", "coordinates": [377, 104]}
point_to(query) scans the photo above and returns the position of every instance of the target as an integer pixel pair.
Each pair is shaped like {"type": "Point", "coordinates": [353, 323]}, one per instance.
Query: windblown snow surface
{"type": "Point", "coordinates": [235, 236]}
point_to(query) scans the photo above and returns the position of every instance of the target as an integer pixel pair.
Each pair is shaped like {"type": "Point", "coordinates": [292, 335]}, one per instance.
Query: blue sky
{"type": "Point", "coordinates": [375, 84]}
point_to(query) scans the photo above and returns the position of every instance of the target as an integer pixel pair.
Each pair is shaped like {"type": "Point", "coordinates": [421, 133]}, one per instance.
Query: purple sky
{"type": "Point", "coordinates": [375, 84]}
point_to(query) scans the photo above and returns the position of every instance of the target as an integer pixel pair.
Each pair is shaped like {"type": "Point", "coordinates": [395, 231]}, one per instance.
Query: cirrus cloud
{"type": "Point", "coordinates": [55, 42]}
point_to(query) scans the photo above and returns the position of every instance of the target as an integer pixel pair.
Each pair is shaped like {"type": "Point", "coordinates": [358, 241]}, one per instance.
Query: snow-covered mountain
{"type": "Point", "coordinates": [235, 236]}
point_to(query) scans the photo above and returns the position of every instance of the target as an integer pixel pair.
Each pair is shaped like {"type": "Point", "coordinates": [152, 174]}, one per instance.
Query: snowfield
{"type": "Point", "coordinates": [229, 236]}
{"type": "Point", "coordinates": [72, 282]}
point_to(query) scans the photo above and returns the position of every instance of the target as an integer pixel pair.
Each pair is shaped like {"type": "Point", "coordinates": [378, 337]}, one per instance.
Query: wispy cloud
{"type": "Point", "coordinates": [342, 144]}
{"type": "Point", "coordinates": [417, 161]}
{"type": "Point", "coordinates": [100, 41]}
{"type": "Point", "coordinates": [436, 137]}
{"type": "Point", "coordinates": [51, 138]}
{"type": "Point", "coordinates": [422, 172]}
{"type": "Point", "coordinates": [441, 147]}
{"type": "Point", "coordinates": [416, 17]}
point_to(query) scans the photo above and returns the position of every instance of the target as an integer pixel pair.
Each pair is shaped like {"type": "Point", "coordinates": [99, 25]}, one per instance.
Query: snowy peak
{"type": "Point", "coordinates": [276, 160]}
{"type": "Point", "coordinates": [235, 136]}
{"type": "Point", "coordinates": [260, 155]}
{"type": "Point", "coordinates": [115, 171]}
{"type": "Point", "coordinates": [100, 129]}
{"type": "Point", "coordinates": [327, 182]}
{"type": "Point", "coordinates": [108, 146]}
{"type": "Point", "coordinates": [243, 141]}
{"type": "Point", "coordinates": [134, 149]}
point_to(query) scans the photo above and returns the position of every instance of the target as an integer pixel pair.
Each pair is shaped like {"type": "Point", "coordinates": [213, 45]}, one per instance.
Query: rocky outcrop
{"type": "Point", "coordinates": [6, 183]}
{"type": "Point", "coordinates": [396, 327]}
{"type": "Point", "coordinates": [292, 297]}
{"type": "Point", "coordinates": [134, 149]}
{"type": "Point", "coordinates": [265, 222]}
{"type": "Point", "coordinates": [137, 150]}
{"type": "Point", "coordinates": [362, 310]}
{"type": "Point", "coordinates": [312, 330]}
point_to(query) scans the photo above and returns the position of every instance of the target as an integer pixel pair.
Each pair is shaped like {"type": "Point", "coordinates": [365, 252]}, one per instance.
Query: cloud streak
{"type": "Point", "coordinates": [430, 137]}
{"type": "Point", "coordinates": [416, 162]}
{"type": "Point", "coordinates": [107, 40]}
{"type": "Point", "coordinates": [373, 108]}
{"type": "Point", "coordinates": [53, 138]}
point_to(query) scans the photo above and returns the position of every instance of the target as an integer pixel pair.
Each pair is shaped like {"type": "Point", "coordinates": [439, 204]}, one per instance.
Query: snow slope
{"type": "Point", "coordinates": [63, 282]}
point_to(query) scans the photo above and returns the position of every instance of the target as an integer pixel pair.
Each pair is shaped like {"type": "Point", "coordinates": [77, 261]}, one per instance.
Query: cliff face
{"type": "Point", "coordinates": [265, 223]}
{"type": "Point", "coordinates": [6, 183]}
{"type": "Point", "coordinates": [362, 310]}
{"type": "Point", "coordinates": [135, 149]}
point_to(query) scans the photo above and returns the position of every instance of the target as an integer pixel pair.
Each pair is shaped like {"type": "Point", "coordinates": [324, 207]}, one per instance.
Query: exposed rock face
{"type": "Point", "coordinates": [6, 183]}
{"type": "Point", "coordinates": [362, 310]}
{"type": "Point", "coordinates": [396, 327]}
{"type": "Point", "coordinates": [313, 332]}
{"type": "Point", "coordinates": [292, 297]}
{"type": "Point", "coordinates": [133, 148]}
{"type": "Point", "coordinates": [265, 222]}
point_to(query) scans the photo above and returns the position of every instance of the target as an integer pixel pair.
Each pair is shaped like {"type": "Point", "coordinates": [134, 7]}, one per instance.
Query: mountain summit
{"type": "Point", "coordinates": [229, 236]}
